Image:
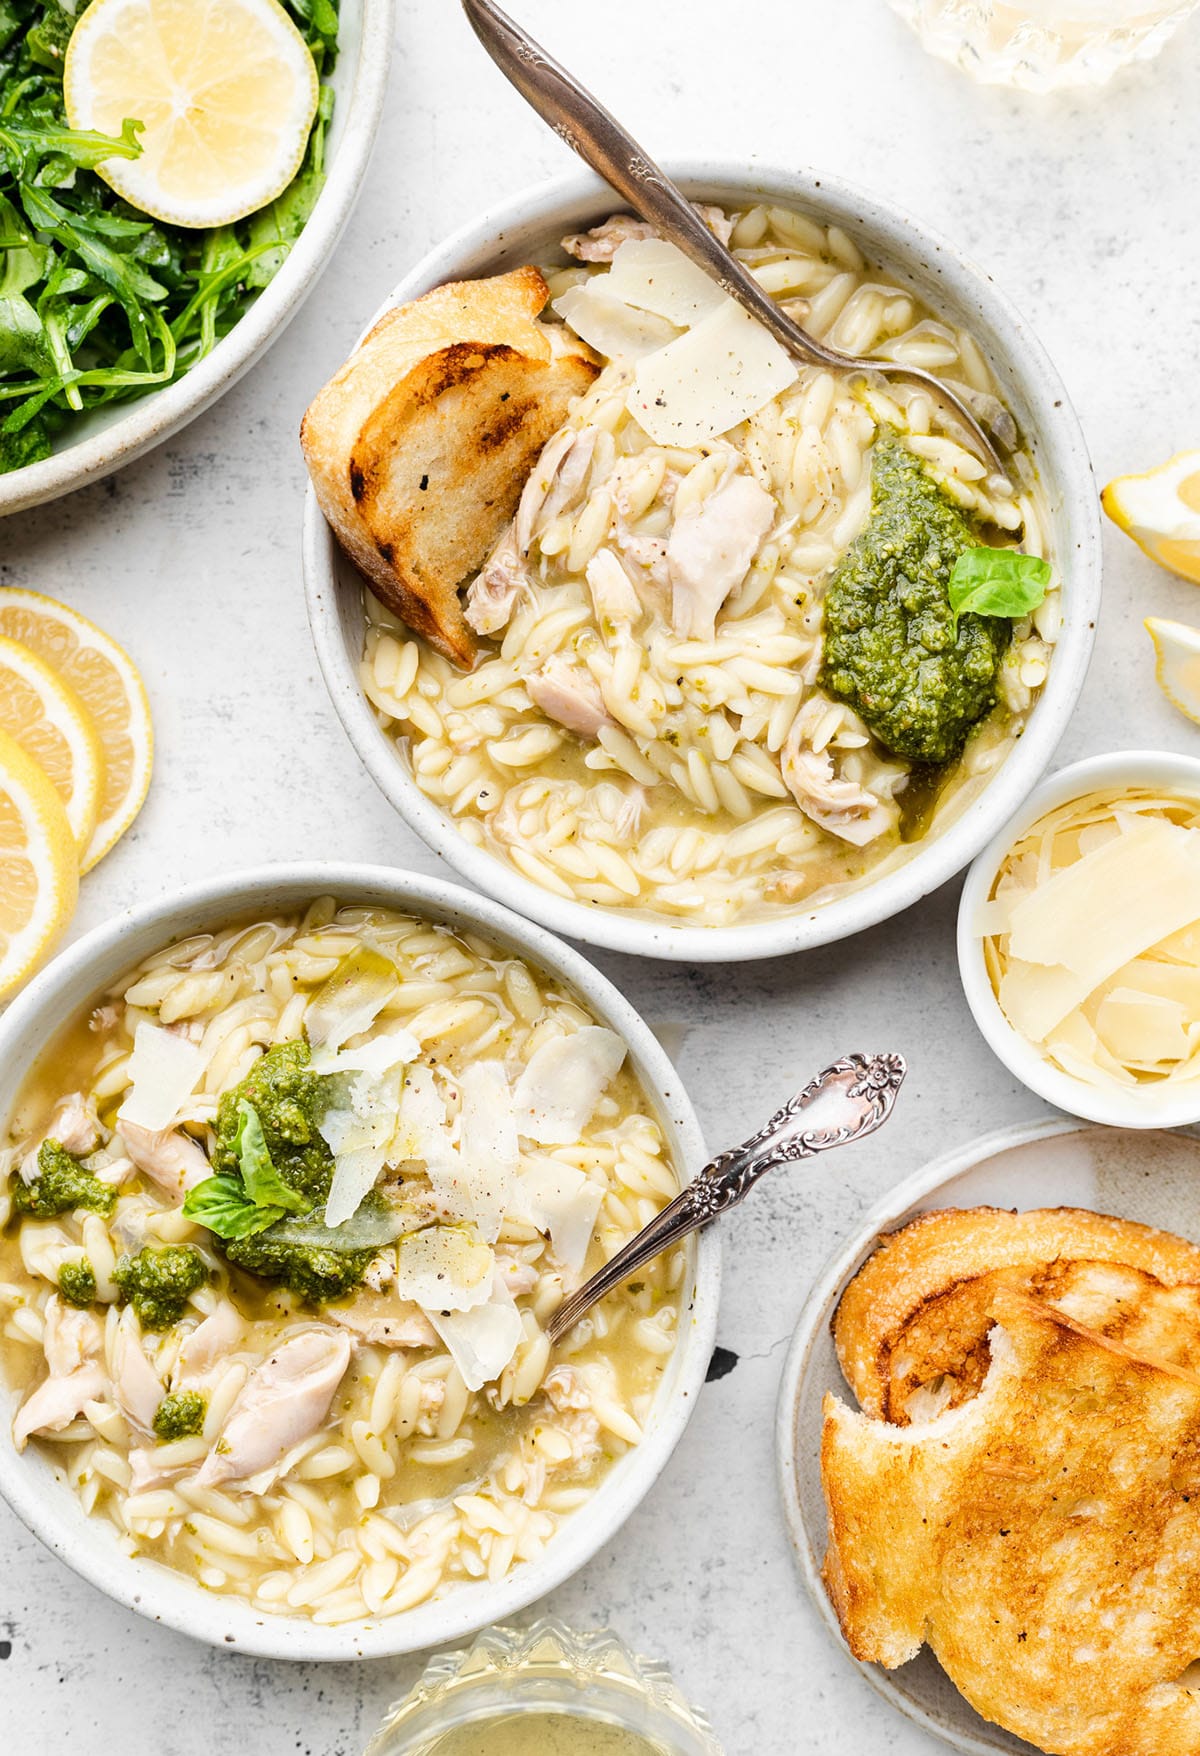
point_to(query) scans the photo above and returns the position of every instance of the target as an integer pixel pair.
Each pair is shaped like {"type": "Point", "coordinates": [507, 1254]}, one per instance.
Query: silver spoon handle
{"type": "Point", "coordinates": [595, 134]}
{"type": "Point", "coordinates": [600, 141]}
{"type": "Point", "coordinates": [867, 1087]}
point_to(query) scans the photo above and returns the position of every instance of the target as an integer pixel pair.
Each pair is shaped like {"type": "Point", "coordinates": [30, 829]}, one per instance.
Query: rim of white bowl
{"type": "Point", "coordinates": [1110, 1105]}
{"type": "Point", "coordinates": [50, 1509]}
{"type": "Point", "coordinates": [817, 1313]}
{"type": "Point", "coordinates": [900, 239]}
{"type": "Point", "coordinates": [160, 413]}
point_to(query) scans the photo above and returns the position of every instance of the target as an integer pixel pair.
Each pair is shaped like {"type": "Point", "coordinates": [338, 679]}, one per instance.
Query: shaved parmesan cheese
{"type": "Point", "coordinates": [351, 1000]}
{"type": "Point", "coordinates": [560, 1200]}
{"type": "Point", "coordinates": [476, 1182]}
{"type": "Point", "coordinates": [376, 1057]}
{"type": "Point", "coordinates": [164, 1070]}
{"type": "Point", "coordinates": [360, 1139]}
{"type": "Point", "coordinates": [609, 325]}
{"type": "Point", "coordinates": [1092, 938]}
{"type": "Point", "coordinates": [481, 1341]}
{"type": "Point", "coordinates": [657, 276]}
{"type": "Point", "coordinates": [444, 1268]}
{"type": "Point", "coordinates": [719, 373]}
{"type": "Point", "coordinates": [422, 1129]}
{"type": "Point", "coordinates": [558, 1092]}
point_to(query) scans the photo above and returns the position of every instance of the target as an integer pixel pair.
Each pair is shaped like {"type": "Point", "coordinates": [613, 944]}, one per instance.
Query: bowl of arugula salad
{"type": "Point", "coordinates": [123, 311]}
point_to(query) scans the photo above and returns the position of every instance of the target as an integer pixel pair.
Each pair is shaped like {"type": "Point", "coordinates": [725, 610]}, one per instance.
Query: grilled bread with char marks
{"type": "Point", "coordinates": [1043, 1539]}
{"type": "Point", "coordinates": [915, 1317]}
{"type": "Point", "coordinates": [419, 446]}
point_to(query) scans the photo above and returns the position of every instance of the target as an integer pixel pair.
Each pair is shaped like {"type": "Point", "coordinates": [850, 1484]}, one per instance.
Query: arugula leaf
{"type": "Point", "coordinates": [997, 582]}
{"type": "Point", "coordinates": [264, 1185]}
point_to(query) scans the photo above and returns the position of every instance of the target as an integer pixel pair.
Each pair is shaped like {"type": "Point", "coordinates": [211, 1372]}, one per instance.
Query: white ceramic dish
{"type": "Point", "coordinates": [111, 437]}
{"type": "Point", "coordinates": [1151, 1177]}
{"type": "Point", "coordinates": [1147, 1107]}
{"type": "Point", "coordinates": [29, 1482]}
{"type": "Point", "coordinates": [528, 228]}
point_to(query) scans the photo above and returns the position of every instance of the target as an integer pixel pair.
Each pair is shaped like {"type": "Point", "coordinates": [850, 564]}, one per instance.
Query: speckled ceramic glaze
{"type": "Point", "coordinates": [528, 228]}
{"type": "Point", "coordinates": [28, 1480]}
{"type": "Point", "coordinates": [109, 437]}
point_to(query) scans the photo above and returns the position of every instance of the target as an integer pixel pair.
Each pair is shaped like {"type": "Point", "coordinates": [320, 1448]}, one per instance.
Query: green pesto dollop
{"type": "Point", "coordinates": [290, 1101]}
{"type": "Point", "coordinates": [158, 1283]}
{"type": "Point", "coordinates": [180, 1416]}
{"type": "Point", "coordinates": [77, 1282]}
{"type": "Point", "coordinates": [61, 1186]}
{"type": "Point", "coordinates": [892, 649]}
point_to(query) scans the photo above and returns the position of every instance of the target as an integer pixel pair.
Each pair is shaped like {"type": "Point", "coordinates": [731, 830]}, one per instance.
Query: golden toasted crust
{"type": "Point", "coordinates": [1044, 1539]}
{"type": "Point", "coordinates": [418, 446]}
{"type": "Point", "coordinates": [942, 1250]}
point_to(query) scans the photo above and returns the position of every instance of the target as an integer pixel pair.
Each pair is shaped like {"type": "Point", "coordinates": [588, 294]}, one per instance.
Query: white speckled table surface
{"type": "Point", "coordinates": [1084, 211]}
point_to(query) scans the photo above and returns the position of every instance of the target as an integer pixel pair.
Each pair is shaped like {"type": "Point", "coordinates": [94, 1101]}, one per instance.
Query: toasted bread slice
{"type": "Point", "coordinates": [942, 1249]}
{"type": "Point", "coordinates": [1044, 1539]}
{"type": "Point", "coordinates": [940, 1357]}
{"type": "Point", "coordinates": [418, 446]}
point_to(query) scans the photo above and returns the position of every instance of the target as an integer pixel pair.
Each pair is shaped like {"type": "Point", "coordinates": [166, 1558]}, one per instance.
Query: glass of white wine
{"type": "Point", "coordinates": [1042, 45]}
{"type": "Point", "coordinates": [547, 1689]}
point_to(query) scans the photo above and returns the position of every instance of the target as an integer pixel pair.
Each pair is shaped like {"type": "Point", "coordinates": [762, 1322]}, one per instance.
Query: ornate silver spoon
{"type": "Point", "coordinates": [846, 1102]}
{"type": "Point", "coordinates": [600, 140]}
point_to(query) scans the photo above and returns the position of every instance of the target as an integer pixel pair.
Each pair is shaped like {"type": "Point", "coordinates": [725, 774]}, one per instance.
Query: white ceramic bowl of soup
{"type": "Point", "coordinates": [528, 228]}
{"type": "Point", "coordinates": [47, 1504]}
{"type": "Point", "coordinates": [109, 437]}
{"type": "Point", "coordinates": [1117, 1106]}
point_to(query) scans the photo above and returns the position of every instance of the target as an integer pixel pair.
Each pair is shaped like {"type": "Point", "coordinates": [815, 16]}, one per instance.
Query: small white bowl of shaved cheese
{"type": "Point", "coordinates": [1079, 940]}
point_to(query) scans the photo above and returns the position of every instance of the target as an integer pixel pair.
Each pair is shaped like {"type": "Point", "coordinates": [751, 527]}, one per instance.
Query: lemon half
{"type": "Point", "coordinates": [1160, 510]}
{"type": "Point", "coordinates": [226, 91]}
{"type": "Point", "coordinates": [39, 869]}
{"type": "Point", "coordinates": [1177, 663]}
{"type": "Point", "coordinates": [107, 682]}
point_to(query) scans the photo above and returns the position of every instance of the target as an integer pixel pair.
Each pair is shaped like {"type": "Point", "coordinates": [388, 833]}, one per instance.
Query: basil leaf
{"type": "Point", "coordinates": [997, 582]}
{"type": "Point", "coordinates": [264, 1185]}
{"type": "Point", "coordinates": [222, 1204]}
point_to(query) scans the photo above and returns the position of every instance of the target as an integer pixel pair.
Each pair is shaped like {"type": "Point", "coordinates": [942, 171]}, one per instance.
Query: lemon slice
{"type": "Point", "coordinates": [226, 91]}
{"type": "Point", "coordinates": [50, 723]}
{"type": "Point", "coordinates": [106, 681]}
{"type": "Point", "coordinates": [1177, 663]}
{"type": "Point", "coordinates": [39, 867]}
{"type": "Point", "coordinates": [1160, 510]}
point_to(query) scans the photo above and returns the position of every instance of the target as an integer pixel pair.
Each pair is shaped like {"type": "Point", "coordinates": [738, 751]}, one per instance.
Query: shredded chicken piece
{"type": "Point", "coordinates": [568, 693]}
{"type": "Point", "coordinates": [603, 241]}
{"type": "Point", "coordinates": [207, 1346]}
{"type": "Point", "coordinates": [282, 1402]}
{"type": "Point", "coordinates": [562, 1389]}
{"type": "Point", "coordinates": [147, 1470]}
{"type": "Point", "coordinates": [493, 593]}
{"type": "Point", "coordinates": [555, 482]}
{"type": "Point", "coordinates": [629, 818]}
{"type": "Point", "coordinates": [614, 598]}
{"type": "Point", "coordinates": [137, 1385]}
{"type": "Point", "coordinates": [383, 1320]}
{"type": "Point", "coordinates": [172, 1160]}
{"type": "Point", "coordinates": [75, 1125]}
{"type": "Point", "coordinates": [518, 1277]}
{"type": "Point", "coordinates": [711, 546]}
{"type": "Point", "coordinates": [839, 805]}
{"type": "Point", "coordinates": [71, 1343]}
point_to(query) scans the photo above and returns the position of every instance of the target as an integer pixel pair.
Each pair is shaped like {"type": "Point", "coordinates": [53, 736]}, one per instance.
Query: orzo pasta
{"type": "Point", "coordinates": [655, 722]}
{"type": "Point", "coordinates": [281, 1220]}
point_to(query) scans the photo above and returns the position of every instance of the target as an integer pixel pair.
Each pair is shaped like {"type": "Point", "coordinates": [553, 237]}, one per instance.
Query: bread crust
{"type": "Point", "coordinates": [420, 444]}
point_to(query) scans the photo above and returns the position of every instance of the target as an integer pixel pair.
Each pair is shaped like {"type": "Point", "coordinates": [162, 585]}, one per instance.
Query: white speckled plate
{"type": "Point", "coordinates": [1153, 1177]}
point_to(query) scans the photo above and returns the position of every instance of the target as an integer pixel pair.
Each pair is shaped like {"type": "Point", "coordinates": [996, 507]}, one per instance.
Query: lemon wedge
{"type": "Point", "coordinates": [1160, 510]}
{"type": "Point", "coordinates": [106, 681]}
{"type": "Point", "coordinates": [1177, 663]}
{"type": "Point", "coordinates": [50, 723]}
{"type": "Point", "coordinates": [226, 91]}
{"type": "Point", "coordinates": [39, 868]}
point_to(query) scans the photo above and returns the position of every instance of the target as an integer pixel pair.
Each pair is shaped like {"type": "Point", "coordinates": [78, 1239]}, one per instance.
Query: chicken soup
{"type": "Point", "coordinates": [282, 1221]}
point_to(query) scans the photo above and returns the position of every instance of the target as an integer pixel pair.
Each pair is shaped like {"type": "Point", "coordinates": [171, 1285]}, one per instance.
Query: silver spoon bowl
{"type": "Point", "coordinates": [846, 1102]}
{"type": "Point", "coordinates": [599, 139]}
